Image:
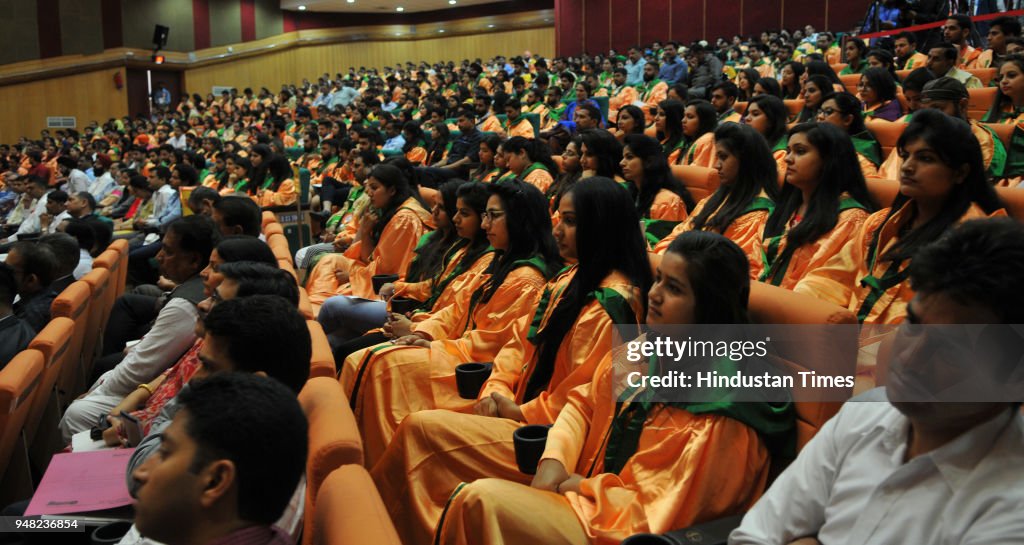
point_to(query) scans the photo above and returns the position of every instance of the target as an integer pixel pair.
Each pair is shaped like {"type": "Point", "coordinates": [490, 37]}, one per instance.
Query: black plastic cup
{"type": "Point", "coordinates": [110, 533]}
{"type": "Point", "coordinates": [649, 539]}
{"type": "Point", "coordinates": [529, 442]}
{"type": "Point", "coordinates": [380, 279]}
{"type": "Point", "coordinates": [403, 305]}
{"type": "Point", "coordinates": [470, 377]}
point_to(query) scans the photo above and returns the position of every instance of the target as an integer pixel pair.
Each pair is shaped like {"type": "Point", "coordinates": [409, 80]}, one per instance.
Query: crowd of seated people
{"type": "Point", "coordinates": [520, 209]}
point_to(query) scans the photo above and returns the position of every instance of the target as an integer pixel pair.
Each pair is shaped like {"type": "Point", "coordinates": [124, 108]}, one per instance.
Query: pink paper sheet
{"type": "Point", "coordinates": [83, 481]}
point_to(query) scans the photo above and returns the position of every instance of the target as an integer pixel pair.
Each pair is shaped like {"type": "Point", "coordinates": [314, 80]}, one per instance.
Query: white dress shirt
{"type": "Point", "coordinates": [78, 182]}
{"type": "Point", "coordinates": [102, 186]}
{"type": "Point", "coordinates": [84, 264]}
{"type": "Point", "coordinates": [850, 485]}
{"type": "Point", "coordinates": [30, 225]}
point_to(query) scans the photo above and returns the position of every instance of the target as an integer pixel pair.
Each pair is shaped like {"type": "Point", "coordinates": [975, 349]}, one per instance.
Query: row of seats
{"type": "Point", "coordinates": [334, 467]}
{"type": "Point", "coordinates": [984, 74]}
{"type": "Point", "coordinates": [39, 383]}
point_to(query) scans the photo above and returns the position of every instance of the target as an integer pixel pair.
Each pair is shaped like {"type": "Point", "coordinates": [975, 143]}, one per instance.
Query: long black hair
{"type": "Point", "coordinates": [429, 261]}
{"type": "Point", "coordinates": [529, 233]}
{"type": "Point", "coordinates": [771, 87]}
{"type": "Point", "coordinates": [883, 83]}
{"type": "Point", "coordinates": [719, 276]}
{"type": "Point", "coordinates": [536, 149]}
{"type": "Point", "coordinates": [707, 116]}
{"type": "Point", "coordinates": [757, 172]}
{"type": "Point", "coordinates": [822, 68]}
{"type": "Point", "coordinates": [414, 136]}
{"type": "Point", "coordinates": [607, 240]}
{"type": "Point", "coordinates": [566, 178]}
{"type": "Point", "coordinates": [951, 140]}
{"type": "Point", "coordinates": [261, 171]}
{"type": "Point", "coordinates": [751, 75]}
{"type": "Point", "coordinates": [606, 148]}
{"type": "Point", "coordinates": [775, 110]}
{"type": "Point", "coordinates": [673, 133]}
{"type": "Point", "coordinates": [636, 114]}
{"type": "Point", "coordinates": [840, 173]}
{"type": "Point", "coordinates": [657, 174]}
{"type": "Point", "coordinates": [279, 168]}
{"type": "Point", "coordinates": [849, 105]}
{"type": "Point", "coordinates": [391, 177]}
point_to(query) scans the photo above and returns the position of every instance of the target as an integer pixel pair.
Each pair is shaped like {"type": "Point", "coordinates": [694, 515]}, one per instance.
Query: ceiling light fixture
{"type": "Point", "coordinates": [490, 26]}
{"type": "Point", "coordinates": [442, 30]}
{"type": "Point", "coordinates": [399, 8]}
{"type": "Point", "coordinates": [302, 8]}
{"type": "Point", "coordinates": [351, 1]}
{"type": "Point", "coordinates": [452, 2]}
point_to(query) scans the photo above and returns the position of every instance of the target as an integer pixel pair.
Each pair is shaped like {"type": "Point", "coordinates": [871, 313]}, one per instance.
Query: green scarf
{"type": "Point", "coordinates": [775, 422]}
{"type": "Point", "coordinates": [866, 145]}
{"type": "Point", "coordinates": [775, 268]}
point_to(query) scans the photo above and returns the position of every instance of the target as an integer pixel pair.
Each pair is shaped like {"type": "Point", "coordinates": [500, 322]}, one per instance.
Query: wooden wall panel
{"type": "Point", "coordinates": [290, 66]}
{"type": "Point", "coordinates": [269, 18]}
{"type": "Point", "coordinates": [140, 16]}
{"type": "Point", "coordinates": [20, 28]}
{"type": "Point", "coordinates": [656, 20]}
{"type": "Point", "coordinates": [598, 26]}
{"type": "Point", "coordinates": [89, 97]}
{"type": "Point", "coordinates": [582, 28]}
{"type": "Point", "coordinates": [81, 22]}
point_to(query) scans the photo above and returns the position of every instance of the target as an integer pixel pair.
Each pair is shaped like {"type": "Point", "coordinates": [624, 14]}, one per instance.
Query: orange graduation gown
{"type": "Point", "coordinates": [392, 255]}
{"type": "Point", "coordinates": [838, 280]}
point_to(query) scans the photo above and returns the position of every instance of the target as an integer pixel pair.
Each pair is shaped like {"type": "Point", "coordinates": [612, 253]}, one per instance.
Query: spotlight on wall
{"type": "Point", "coordinates": [399, 8]}
{"type": "Point", "coordinates": [302, 8]}
{"type": "Point", "coordinates": [452, 2]}
{"type": "Point", "coordinates": [158, 58]}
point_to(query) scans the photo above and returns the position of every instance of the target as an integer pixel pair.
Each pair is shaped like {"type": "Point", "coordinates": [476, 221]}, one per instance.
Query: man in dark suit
{"type": "Point", "coordinates": [15, 334]}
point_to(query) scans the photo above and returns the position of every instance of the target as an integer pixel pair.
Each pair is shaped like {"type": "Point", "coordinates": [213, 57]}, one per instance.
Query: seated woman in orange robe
{"type": "Point", "coordinates": [822, 204]}
{"type": "Point", "coordinates": [661, 200]}
{"type": "Point", "coordinates": [630, 120]}
{"type": "Point", "coordinates": [533, 374]}
{"type": "Point", "coordinates": [601, 156]}
{"type": "Point", "coordinates": [699, 122]}
{"type": "Point", "coordinates": [942, 183]}
{"type": "Point", "coordinates": [278, 187]}
{"type": "Point", "coordinates": [387, 382]}
{"type": "Point", "coordinates": [449, 259]}
{"type": "Point", "coordinates": [530, 161]}
{"type": "Point", "coordinates": [488, 171]}
{"type": "Point", "coordinates": [668, 122]}
{"type": "Point", "coordinates": [844, 111]}
{"type": "Point", "coordinates": [387, 234]}
{"type": "Point", "coordinates": [745, 197]}
{"type": "Point", "coordinates": [769, 116]}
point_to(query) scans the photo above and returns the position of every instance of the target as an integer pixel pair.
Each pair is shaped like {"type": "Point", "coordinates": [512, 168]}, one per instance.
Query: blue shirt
{"type": "Point", "coordinates": [394, 144]}
{"type": "Point", "coordinates": [673, 72]}
{"type": "Point", "coordinates": [635, 72]}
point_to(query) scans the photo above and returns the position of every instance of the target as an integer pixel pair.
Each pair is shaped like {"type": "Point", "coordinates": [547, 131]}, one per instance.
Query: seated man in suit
{"type": "Point", "coordinates": [935, 455]}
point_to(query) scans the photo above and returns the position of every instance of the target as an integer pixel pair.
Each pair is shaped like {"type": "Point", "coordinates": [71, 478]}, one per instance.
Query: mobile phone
{"type": "Point", "coordinates": [132, 429]}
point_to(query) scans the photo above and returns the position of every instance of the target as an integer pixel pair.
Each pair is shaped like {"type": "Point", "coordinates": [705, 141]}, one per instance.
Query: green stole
{"type": "Point", "coordinates": [324, 166]}
{"type": "Point", "coordinates": [999, 155]}
{"type": "Point", "coordinates": [775, 422]}
{"type": "Point", "coordinates": [892, 276]}
{"type": "Point", "coordinates": [775, 268]}
{"type": "Point", "coordinates": [866, 145]}
{"type": "Point", "coordinates": [267, 183]}
{"type": "Point", "coordinates": [463, 266]}
{"type": "Point", "coordinates": [647, 88]}
{"type": "Point", "coordinates": [1015, 155]}
{"type": "Point", "coordinates": [531, 168]}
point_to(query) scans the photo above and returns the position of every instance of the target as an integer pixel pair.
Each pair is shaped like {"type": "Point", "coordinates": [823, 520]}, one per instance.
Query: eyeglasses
{"type": "Point", "coordinates": [492, 215]}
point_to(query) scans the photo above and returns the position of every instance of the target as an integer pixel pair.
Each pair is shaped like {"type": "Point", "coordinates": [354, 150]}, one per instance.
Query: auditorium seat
{"type": "Point", "coordinates": [121, 274]}
{"type": "Point", "coordinates": [850, 81]}
{"type": "Point", "coordinates": [268, 218]}
{"type": "Point", "coordinates": [701, 182]}
{"type": "Point", "coordinates": [795, 106]}
{"type": "Point", "coordinates": [349, 510]}
{"type": "Point", "coordinates": [1013, 199]}
{"type": "Point", "coordinates": [114, 262]}
{"type": "Point", "coordinates": [984, 74]}
{"type": "Point", "coordinates": [73, 303]}
{"type": "Point", "coordinates": [272, 229]}
{"type": "Point", "coordinates": [980, 101]}
{"type": "Point", "coordinates": [902, 74]}
{"type": "Point", "coordinates": [838, 67]}
{"type": "Point", "coordinates": [334, 439]}
{"type": "Point", "coordinates": [100, 287]}
{"type": "Point", "coordinates": [18, 383]}
{"type": "Point", "coordinates": [883, 191]}
{"type": "Point", "coordinates": [54, 343]}
{"type": "Point", "coordinates": [1004, 131]}
{"type": "Point", "coordinates": [740, 107]}
{"type": "Point", "coordinates": [322, 363]}
{"type": "Point", "coordinates": [887, 133]}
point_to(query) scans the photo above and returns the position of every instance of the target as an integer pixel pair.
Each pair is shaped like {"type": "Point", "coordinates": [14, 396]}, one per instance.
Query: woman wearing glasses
{"type": "Point", "coordinates": [846, 112]}
{"type": "Point", "coordinates": [547, 357]}
{"type": "Point", "coordinates": [417, 372]}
